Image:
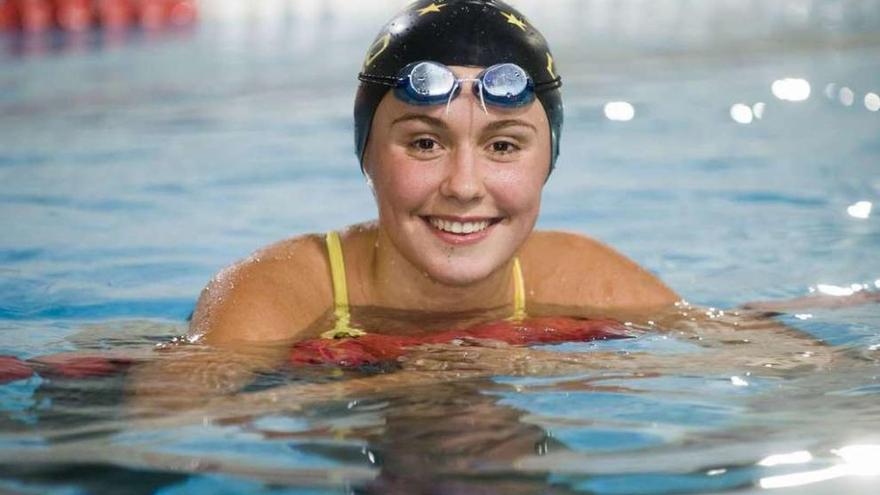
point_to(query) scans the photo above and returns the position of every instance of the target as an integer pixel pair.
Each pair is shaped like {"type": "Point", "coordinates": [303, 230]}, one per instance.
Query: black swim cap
{"type": "Point", "coordinates": [477, 33]}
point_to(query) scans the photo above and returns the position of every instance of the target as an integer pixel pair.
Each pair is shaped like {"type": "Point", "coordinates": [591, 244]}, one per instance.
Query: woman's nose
{"type": "Point", "coordinates": [464, 180]}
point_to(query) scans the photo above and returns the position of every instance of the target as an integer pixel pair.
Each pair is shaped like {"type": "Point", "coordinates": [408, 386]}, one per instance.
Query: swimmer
{"type": "Point", "coordinates": [458, 122]}
{"type": "Point", "coordinates": [458, 119]}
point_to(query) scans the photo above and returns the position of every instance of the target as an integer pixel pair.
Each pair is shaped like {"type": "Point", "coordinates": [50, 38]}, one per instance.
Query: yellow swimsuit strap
{"type": "Point", "coordinates": [343, 327]}
{"type": "Point", "coordinates": [519, 292]}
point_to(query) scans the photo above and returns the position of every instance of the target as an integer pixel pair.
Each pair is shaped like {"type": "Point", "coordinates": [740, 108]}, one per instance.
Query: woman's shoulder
{"type": "Point", "coordinates": [287, 263]}
{"type": "Point", "coordinates": [575, 270]}
{"type": "Point", "coordinates": [272, 294]}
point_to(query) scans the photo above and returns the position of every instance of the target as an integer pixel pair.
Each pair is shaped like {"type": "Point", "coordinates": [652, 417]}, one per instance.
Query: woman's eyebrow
{"type": "Point", "coordinates": [426, 119]}
{"type": "Point", "coordinates": [502, 124]}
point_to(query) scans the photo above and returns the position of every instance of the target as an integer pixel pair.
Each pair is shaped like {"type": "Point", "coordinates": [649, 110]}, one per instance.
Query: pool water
{"type": "Point", "coordinates": [133, 168]}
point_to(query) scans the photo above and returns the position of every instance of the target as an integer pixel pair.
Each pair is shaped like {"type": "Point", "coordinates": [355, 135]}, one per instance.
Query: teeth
{"type": "Point", "coordinates": [459, 227]}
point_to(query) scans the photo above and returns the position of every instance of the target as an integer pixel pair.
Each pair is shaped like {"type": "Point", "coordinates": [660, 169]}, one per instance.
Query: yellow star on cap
{"type": "Point", "coordinates": [512, 19]}
{"type": "Point", "coordinates": [378, 47]}
{"type": "Point", "coordinates": [550, 65]}
{"type": "Point", "coordinates": [434, 7]}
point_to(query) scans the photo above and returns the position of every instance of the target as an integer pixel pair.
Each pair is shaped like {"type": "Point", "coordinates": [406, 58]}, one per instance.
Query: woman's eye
{"type": "Point", "coordinates": [424, 144]}
{"type": "Point", "coordinates": [504, 147]}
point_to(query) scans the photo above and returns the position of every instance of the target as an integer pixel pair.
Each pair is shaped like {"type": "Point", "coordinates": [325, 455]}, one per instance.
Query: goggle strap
{"type": "Point", "coordinates": [548, 85]}
{"type": "Point", "coordinates": [451, 95]}
{"type": "Point", "coordinates": [479, 83]}
{"type": "Point", "coordinates": [383, 80]}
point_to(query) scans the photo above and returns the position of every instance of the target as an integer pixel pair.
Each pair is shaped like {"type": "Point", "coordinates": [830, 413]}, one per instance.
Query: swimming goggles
{"type": "Point", "coordinates": [432, 83]}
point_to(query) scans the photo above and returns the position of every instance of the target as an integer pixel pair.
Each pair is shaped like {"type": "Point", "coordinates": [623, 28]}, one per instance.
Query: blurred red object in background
{"type": "Point", "coordinates": [74, 15]}
{"type": "Point", "coordinates": [36, 15]}
{"type": "Point", "coordinates": [115, 14]}
{"type": "Point", "coordinates": [152, 14]}
{"type": "Point", "coordinates": [182, 12]}
{"type": "Point", "coordinates": [8, 15]}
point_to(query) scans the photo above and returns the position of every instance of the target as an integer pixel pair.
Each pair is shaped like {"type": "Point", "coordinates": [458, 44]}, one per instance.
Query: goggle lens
{"type": "Point", "coordinates": [505, 81]}
{"type": "Point", "coordinates": [431, 83]}
{"type": "Point", "coordinates": [431, 80]}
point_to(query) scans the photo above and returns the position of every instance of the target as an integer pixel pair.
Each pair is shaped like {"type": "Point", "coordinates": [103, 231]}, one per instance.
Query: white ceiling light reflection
{"type": "Point", "coordinates": [758, 110]}
{"type": "Point", "coordinates": [860, 209]}
{"type": "Point", "coordinates": [831, 91]}
{"type": "Point", "coordinates": [738, 382]}
{"type": "Point", "coordinates": [741, 114]}
{"type": "Point", "coordinates": [858, 460]}
{"type": "Point", "coordinates": [834, 290]}
{"type": "Point", "coordinates": [798, 457]}
{"type": "Point", "coordinates": [791, 89]}
{"type": "Point", "coordinates": [620, 111]}
{"type": "Point", "coordinates": [872, 102]}
{"type": "Point", "coordinates": [846, 96]}
{"type": "Point", "coordinates": [863, 459]}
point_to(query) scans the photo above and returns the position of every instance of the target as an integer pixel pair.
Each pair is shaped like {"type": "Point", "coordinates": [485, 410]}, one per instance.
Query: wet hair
{"type": "Point", "coordinates": [475, 33]}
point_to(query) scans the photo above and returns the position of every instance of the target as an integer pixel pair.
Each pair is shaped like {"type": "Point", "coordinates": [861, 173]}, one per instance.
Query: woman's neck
{"type": "Point", "coordinates": [392, 281]}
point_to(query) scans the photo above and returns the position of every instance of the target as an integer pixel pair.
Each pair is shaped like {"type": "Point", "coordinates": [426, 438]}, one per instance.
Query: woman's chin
{"type": "Point", "coordinates": [460, 273]}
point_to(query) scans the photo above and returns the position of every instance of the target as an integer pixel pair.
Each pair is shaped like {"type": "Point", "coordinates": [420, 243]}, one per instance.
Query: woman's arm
{"type": "Point", "coordinates": [243, 324]}
{"type": "Point", "coordinates": [816, 301]}
{"type": "Point", "coordinates": [574, 271]}
{"type": "Point", "coordinates": [185, 376]}
{"type": "Point", "coordinates": [275, 294]}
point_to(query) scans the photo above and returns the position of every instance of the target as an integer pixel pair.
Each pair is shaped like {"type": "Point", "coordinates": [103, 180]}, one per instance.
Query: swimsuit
{"type": "Point", "coordinates": [342, 314]}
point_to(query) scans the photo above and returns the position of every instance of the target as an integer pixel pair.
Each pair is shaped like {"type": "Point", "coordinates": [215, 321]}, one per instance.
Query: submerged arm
{"type": "Point", "coordinates": [191, 375]}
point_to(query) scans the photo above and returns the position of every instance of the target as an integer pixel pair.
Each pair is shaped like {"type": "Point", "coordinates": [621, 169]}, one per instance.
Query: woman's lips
{"type": "Point", "coordinates": [460, 230]}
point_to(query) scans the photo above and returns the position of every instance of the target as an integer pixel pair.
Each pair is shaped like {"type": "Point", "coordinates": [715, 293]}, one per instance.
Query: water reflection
{"type": "Point", "coordinates": [857, 460]}
{"type": "Point", "coordinates": [758, 110]}
{"type": "Point", "coordinates": [799, 457]}
{"type": "Point", "coordinates": [831, 91]}
{"type": "Point", "coordinates": [846, 96]}
{"type": "Point", "coordinates": [838, 291]}
{"type": "Point", "coordinates": [872, 102]}
{"type": "Point", "coordinates": [791, 89]}
{"type": "Point", "coordinates": [436, 438]}
{"type": "Point", "coordinates": [860, 209]}
{"type": "Point", "coordinates": [741, 113]}
{"type": "Point", "coordinates": [620, 111]}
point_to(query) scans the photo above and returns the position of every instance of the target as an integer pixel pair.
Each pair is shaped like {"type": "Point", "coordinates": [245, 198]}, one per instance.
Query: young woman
{"type": "Point", "coordinates": [458, 120]}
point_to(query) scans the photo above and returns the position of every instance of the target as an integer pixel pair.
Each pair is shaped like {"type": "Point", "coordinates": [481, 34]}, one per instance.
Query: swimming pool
{"type": "Point", "coordinates": [132, 169]}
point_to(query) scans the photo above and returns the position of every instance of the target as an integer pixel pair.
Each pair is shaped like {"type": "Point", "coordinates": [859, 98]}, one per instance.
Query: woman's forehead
{"type": "Point", "coordinates": [463, 72]}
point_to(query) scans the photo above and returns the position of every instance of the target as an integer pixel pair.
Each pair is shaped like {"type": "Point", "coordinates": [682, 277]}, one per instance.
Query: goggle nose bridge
{"type": "Point", "coordinates": [478, 89]}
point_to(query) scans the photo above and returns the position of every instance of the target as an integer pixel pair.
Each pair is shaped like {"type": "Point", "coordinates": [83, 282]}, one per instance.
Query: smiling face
{"type": "Point", "coordinates": [458, 192]}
